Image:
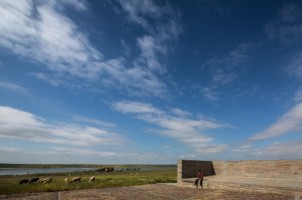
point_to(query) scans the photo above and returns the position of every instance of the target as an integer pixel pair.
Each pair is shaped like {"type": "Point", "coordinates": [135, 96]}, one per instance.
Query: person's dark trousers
{"type": "Point", "coordinates": [198, 181]}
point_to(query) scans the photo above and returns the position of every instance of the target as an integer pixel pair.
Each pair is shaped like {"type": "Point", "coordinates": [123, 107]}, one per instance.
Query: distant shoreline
{"type": "Point", "coordinates": [30, 166]}
{"type": "Point", "coordinates": [32, 171]}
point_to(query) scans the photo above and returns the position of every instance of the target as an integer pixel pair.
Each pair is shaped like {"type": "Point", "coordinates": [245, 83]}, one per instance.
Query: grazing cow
{"type": "Point", "coordinates": [92, 179]}
{"type": "Point", "coordinates": [46, 180]}
{"type": "Point", "coordinates": [34, 180]}
{"type": "Point", "coordinates": [24, 181]}
{"type": "Point", "coordinates": [40, 180]}
{"type": "Point", "coordinates": [76, 179]}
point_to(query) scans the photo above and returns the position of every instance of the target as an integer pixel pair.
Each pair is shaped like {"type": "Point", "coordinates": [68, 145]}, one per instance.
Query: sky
{"type": "Point", "coordinates": [150, 81]}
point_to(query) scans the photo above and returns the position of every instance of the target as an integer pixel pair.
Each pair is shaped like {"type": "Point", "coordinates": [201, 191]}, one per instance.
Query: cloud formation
{"type": "Point", "coordinates": [287, 26]}
{"type": "Point", "coordinates": [13, 87]}
{"type": "Point", "coordinates": [225, 70]}
{"type": "Point", "coordinates": [277, 150]}
{"type": "Point", "coordinates": [182, 128]}
{"type": "Point", "coordinates": [161, 30]}
{"type": "Point", "coordinates": [294, 67]}
{"type": "Point", "coordinates": [83, 155]}
{"type": "Point", "coordinates": [21, 125]}
{"type": "Point", "coordinates": [44, 34]}
{"type": "Point", "coordinates": [290, 122]}
{"type": "Point", "coordinates": [56, 142]}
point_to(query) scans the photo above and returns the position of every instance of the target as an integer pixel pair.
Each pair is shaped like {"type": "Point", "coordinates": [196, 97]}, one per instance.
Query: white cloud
{"type": "Point", "coordinates": [50, 79]}
{"type": "Point", "coordinates": [211, 149]}
{"type": "Point", "coordinates": [181, 113]}
{"type": "Point", "coordinates": [13, 87]}
{"type": "Point", "coordinates": [61, 43]}
{"type": "Point", "coordinates": [46, 36]}
{"type": "Point", "coordinates": [42, 33]}
{"type": "Point", "coordinates": [94, 121]}
{"type": "Point", "coordinates": [225, 70]}
{"type": "Point", "coordinates": [162, 29]}
{"type": "Point", "coordinates": [56, 155]}
{"type": "Point", "coordinates": [137, 11]}
{"type": "Point", "coordinates": [298, 95]}
{"type": "Point", "coordinates": [280, 150]}
{"type": "Point", "coordinates": [231, 60]}
{"type": "Point", "coordinates": [243, 148]}
{"type": "Point", "coordinates": [182, 128]}
{"type": "Point", "coordinates": [287, 26]}
{"type": "Point", "coordinates": [126, 47]}
{"type": "Point", "coordinates": [22, 125]}
{"type": "Point", "coordinates": [275, 150]}
{"type": "Point", "coordinates": [149, 49]}
{"type": "Point", "coordinates": [135, 107]}
{"type": "Point", "coordinates": [291, 121]}
{"type": "Point", "coordinates": [294, 67]}
{"type": "Point", "coordinates": [83, 152]}
{"type": "Point", "coordinates": [70, 155]}
{"type": "Point", "coordinates": [190, 156]}
{"type": "Point", "coordinates": [139, 80]}
{"type": "Point", "coordinates": [77, 4]}
{"type": "Point", "coordinates": [289, 13]}
{"type": "Point", "coordinates": [210, 93]}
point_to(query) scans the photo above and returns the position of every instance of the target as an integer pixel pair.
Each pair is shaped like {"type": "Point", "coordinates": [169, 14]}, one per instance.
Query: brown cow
{"type": "Point", "coordinates": [34, 180]}
{"type": "Point", "coordinates": [24, 181]}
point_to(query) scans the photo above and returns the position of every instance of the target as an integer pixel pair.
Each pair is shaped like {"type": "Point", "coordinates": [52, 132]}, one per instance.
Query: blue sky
{"type": "Point", "coordinates": [142, 81]}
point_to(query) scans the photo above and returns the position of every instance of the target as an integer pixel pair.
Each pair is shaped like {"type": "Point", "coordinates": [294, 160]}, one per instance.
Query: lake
{"type": "Point", "coordinates": [7, 171]}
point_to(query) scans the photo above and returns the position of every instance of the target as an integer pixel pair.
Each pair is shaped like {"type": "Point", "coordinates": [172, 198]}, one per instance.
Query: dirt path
{"type": "Point", "coordinates": [150, 192]}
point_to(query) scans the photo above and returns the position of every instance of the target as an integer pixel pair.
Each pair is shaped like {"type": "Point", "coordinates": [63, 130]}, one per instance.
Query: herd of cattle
{"type": "Point", "coordinates": [49, 180]}
{"type": "Point", "coordinates": [76, 179]}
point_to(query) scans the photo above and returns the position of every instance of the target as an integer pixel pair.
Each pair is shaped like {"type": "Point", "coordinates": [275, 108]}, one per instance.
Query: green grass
{"type": "Point", "coordinates": [10, 184]}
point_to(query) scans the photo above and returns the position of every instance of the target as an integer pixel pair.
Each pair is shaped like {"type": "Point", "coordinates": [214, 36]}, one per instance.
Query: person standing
{"type": "Point", "coordinates": [199, 179]}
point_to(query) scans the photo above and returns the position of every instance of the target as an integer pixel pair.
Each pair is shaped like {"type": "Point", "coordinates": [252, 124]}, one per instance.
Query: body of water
{"type": "Point", "coordinates": [5, 171]}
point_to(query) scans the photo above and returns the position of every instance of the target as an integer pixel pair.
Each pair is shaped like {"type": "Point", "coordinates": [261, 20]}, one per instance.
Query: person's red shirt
{"type": "Point", "coordinates": [200, 175]}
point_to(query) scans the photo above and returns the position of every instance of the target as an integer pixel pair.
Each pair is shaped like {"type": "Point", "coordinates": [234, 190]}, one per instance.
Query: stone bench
{"type": "Point", "coordinates": [292, 186]}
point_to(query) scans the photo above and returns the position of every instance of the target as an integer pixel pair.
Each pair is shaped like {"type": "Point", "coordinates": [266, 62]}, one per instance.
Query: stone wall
{"type": "Point", "coordinates": [260, 168]}
{"type": "Point", "coordinates": [189, 168]}
{"type": "Point", "coordinates": [289, 169]}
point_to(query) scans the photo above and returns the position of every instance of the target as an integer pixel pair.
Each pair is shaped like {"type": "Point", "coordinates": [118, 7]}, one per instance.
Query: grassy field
{"type": "Point", "coordinates": [165, 174]}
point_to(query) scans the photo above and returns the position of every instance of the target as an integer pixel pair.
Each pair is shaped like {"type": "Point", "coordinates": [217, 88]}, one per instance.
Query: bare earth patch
{"type": "Point", "coordinates": [150, 192]}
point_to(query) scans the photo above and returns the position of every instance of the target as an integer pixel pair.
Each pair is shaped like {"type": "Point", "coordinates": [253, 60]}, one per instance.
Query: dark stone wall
{"type": "Point", "coordinates": [189, 168]}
